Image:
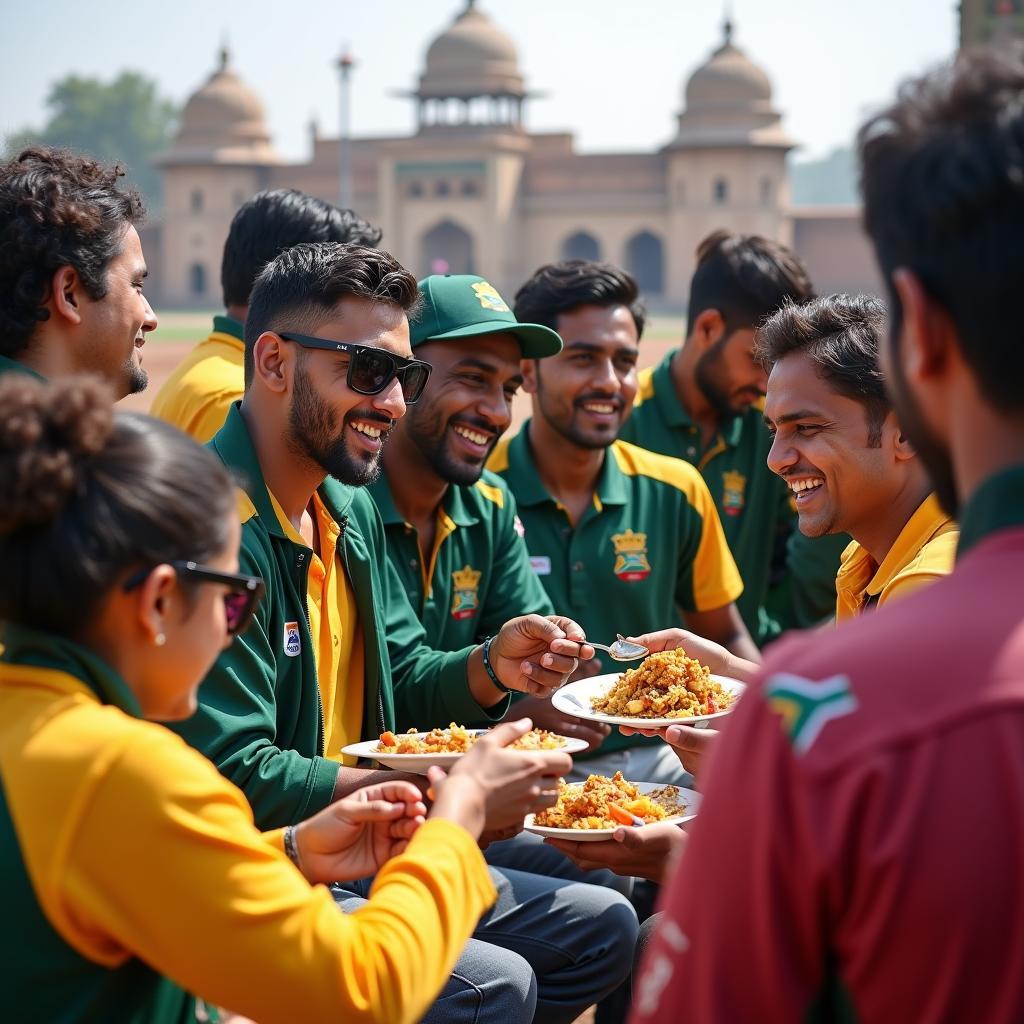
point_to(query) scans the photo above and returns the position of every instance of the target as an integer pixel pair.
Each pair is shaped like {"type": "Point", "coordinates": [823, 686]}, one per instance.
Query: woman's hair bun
{"type": "Point", "coordinates": [49, 433]}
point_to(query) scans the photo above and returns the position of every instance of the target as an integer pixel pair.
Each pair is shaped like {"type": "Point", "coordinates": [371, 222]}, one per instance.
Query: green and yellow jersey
{"type": "Point", "coordinates": [648, 548]}
{"type": "Point", "coordinates": [477, 576]}
{"type": "Point", "coordinates": [197, 395]}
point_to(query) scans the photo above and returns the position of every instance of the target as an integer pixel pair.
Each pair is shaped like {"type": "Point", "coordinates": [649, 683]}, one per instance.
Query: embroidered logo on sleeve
{"type": "Point", "coordinates": [292, 642]}
{"type": "Point", "coordinates": [806, 706]}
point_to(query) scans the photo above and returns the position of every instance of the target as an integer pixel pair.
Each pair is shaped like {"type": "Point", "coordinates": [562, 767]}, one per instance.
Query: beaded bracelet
{"type": "Point", "coordinates": [490, 668]}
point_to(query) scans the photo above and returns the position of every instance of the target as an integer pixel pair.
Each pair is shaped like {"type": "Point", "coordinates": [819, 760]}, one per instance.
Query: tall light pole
{"type": "Point", "coordinates": [345, 64]}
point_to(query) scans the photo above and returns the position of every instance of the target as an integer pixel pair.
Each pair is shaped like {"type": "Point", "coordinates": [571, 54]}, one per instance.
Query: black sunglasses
{"type": "Point", "coordinates": [371, 370]}
{"type": "Point", "coordinates": [239, 603]}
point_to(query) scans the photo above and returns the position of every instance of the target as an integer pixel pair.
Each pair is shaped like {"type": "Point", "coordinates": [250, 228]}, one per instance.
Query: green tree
{"type": "Point", "coordinates": [125, 120]}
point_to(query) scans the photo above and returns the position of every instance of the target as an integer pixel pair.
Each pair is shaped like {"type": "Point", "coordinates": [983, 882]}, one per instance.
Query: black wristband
{"type": "Point", "coordinates": [490, 668]}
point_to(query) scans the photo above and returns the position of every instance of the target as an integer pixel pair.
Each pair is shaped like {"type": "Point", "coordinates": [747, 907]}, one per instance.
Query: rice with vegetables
{"type": "Point", "coordinates": [599, 802]}
{"type": "Point", "coordinates": [457, 739]}
{"type": "Point", "coordinates": [665, 685]}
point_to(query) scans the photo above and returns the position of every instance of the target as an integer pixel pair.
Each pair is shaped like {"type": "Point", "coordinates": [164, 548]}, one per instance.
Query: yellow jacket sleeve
{"type": "Point", "coordinates": [159, 859]}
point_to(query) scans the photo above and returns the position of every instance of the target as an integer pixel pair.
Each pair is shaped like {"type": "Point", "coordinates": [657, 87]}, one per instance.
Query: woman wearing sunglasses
{"type": "Point", "coordinates": [132, 871]}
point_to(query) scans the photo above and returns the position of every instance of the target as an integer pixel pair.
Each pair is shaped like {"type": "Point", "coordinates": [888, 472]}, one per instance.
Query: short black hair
{"type": "Point", "coordinates": [88, 494]}
{"type": "Point", "coordinates": [300, 288]}
{"type": "Point", "coordinates": [273, 221]}
{"type": "Point", "coordinates": [557, 288]}
{"type": "Point", "coordinates": [57, 209]}
{"type": "Point", "coordinates": [942, 175]}
{"type": "Point", "coordinates": [746, 278]}
{"type": "Point", "coordinates": [840, 335]}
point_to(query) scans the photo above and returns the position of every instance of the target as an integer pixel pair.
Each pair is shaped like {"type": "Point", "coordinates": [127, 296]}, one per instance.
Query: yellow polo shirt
{"type": "Point", "coordinates": [199, 391]}
{"type": "Point", "coordinates": [923, 553]}
{"type": "Point", "coordinates": [337, 637]}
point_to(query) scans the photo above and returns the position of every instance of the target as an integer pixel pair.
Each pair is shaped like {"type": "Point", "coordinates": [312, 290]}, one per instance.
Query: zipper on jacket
{"type": "Point", "coordinates": [304, 591]}
{"type": "Point", "coordinates": [342, 524]}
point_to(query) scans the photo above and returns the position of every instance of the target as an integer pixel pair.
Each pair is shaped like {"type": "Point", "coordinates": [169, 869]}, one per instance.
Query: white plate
{"type": "Point", "coordinates": [598, 686]}
{"type": "Point", "coordinates": [418, 764]}
{"type": "Point", "coordinates": [689, 797]}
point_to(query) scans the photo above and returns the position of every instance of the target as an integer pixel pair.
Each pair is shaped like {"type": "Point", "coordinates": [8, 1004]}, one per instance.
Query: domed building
{"type": "Point", "coordinates": [472, 190]}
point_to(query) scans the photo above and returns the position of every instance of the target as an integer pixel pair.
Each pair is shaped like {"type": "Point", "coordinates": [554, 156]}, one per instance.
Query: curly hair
{"type": "Point", "coordinates": [57, 209]}
{"type": "Point", "coordinates": [88, 494]}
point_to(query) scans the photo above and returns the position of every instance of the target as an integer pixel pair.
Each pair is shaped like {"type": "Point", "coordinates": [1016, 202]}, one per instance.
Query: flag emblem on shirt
{"type": "Point", "coordinates": [631, 562]}
{"type": "Point", "coordinates": [466, 599]}
{"type": "Point", "coordinates": [489, 298]}
{"type": "Point", "coordinates": [292, 641]}
{"type": "Point", "coordinates": [806, 706]}
{"type": "Point", "coordinates": [733, 487]}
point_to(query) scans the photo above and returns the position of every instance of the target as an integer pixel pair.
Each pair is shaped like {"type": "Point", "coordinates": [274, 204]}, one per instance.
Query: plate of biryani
{"type": "Point", "coordinates": [415, 752]}
{"type": "Point", "coordinates": [665, 689]}
{"type": "Point", "coordinates": [591, 811]}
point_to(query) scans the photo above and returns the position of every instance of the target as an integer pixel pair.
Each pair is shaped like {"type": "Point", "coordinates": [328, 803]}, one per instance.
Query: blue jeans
{"type": "Point", "coordinates": [546, 950]}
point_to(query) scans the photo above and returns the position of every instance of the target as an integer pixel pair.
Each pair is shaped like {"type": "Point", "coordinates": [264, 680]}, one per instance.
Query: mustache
{"type": "Point", "coordinates": [474, 423]}
{"type": "Point", "coordinates": [369, 416]}
{"type": "Point", "coordinates": [791, 474]}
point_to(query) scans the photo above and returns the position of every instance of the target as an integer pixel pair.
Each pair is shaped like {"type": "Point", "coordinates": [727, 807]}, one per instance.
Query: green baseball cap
{"type": "Point", "coordinates": [466, 306]}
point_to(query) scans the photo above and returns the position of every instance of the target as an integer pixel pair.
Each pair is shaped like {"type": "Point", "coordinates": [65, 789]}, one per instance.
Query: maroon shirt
{"type": "Point", "coordinates": [860, 850]}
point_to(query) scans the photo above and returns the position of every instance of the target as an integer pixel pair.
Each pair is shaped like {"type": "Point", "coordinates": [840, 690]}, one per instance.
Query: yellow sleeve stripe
{"type": "Point", "coordinates": [498, 462]}
{"type": "Point", "coordinates": [635, 461]}
{"type": "Point", "coordinates": [246, 509]}
{"type": "Point", "coordinates": [492, 494]}
{"type": "Point", "coordinates": [645, 386]}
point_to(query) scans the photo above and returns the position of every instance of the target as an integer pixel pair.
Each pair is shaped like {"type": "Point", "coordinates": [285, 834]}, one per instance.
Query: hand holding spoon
{"type": "Point", "coordinates": [622, 649]}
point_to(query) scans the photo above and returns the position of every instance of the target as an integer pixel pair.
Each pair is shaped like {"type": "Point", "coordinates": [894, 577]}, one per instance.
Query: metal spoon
{"type": "Point", "coordinates": [622, 649]}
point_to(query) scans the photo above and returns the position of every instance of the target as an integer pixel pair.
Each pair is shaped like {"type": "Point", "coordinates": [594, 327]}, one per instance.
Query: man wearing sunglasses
{"type": "Point", "coordinates": [335, 653]}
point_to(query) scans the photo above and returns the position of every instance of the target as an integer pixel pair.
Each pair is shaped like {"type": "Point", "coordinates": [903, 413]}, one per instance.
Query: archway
{"type": "Point", "coordinates": [645, 260]}
{"type": "Point", "coordinates": [581, 246]}
{"type": "Point", "coordinates": [447, 249]}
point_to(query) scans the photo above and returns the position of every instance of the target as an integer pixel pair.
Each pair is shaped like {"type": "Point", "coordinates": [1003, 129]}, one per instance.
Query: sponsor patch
{"type": "Point", "coordinates": [292, 639]}
{"type": "Point", "coordinates": [540, 564]}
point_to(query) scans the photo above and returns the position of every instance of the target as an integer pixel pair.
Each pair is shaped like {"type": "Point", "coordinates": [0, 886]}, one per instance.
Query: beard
{"type": "Point", "coordinates": [314, 434]}
{"type": "Point", "coordinates": [429, 434]}
{"type": "Point", "coordinates": [138, 379]}
{"type": "Point", "coordinates": [707, 376]}
{"type": "Point", "coordinates": [935, 459]}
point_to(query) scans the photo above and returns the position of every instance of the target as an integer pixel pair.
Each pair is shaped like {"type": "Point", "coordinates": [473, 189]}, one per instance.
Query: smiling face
{"type": "Point", "coordinates": [329, 424]}
{"type": "Point", "coordinates": [824, 448]}
{"type": "Point", "coordinates": [116, 325]}
{"type": "Point", "coordinates": [585, 393]}
{"type": "Point", "coordinates": [467, 404]}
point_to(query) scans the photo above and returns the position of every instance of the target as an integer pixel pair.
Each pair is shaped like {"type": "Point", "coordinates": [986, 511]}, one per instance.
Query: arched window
{"type": "Point", "coordinates": [197, 279]}
{"type": "Point", "coordinates": [197, 200]}
{"type": "Point", "coordinates": [442, 188]}
{"type": "Point", "coordinates": [447, 249]}
{"type": "Point", "coordinates": [721, 190]}
{"type": "Point", "coordinates": [645, 260]}
{"type": "Point", "coordinates": [581, 246]}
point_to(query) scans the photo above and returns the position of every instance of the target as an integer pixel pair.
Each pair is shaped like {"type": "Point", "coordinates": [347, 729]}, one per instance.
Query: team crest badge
{"type": "Point", "coordinates": [292, 640]}
{"type": "Point", "coordinates": [466, 599]}
{"type": "Point", "coordinates": [489, 298]}
{"type": "Point", "coordinates": [733, 498]}
{"type": "Point", "coordinates": [806, 706]}
{"type": "Point", "coordinates": [631, 562]}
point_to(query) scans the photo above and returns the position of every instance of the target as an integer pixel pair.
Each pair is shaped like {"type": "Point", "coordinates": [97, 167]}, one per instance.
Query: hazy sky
{"type": "Point", "coordinates": [611, 70]}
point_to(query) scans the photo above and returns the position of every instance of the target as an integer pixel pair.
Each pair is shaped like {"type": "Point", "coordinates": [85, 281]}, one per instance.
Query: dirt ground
{"type": "Point", "coordinates": [179, 331]}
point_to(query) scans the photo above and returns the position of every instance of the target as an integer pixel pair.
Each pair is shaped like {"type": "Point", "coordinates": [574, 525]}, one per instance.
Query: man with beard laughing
{"type": "Point", "coordinates": [701, 403]}
{"type": "Point", "coordinates": [453, 534]}
{"type": "Point", "coordinates": [336, 654]}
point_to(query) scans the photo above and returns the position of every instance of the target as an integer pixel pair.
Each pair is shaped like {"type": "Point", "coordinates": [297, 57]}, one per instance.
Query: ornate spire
{"type": "Point", "coordinates": [225, 55]}
{"type": "Point", "coordinates": [727, 24]}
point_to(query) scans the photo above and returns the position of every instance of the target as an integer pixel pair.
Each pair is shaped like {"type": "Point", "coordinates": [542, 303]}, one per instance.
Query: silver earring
{"type": "Point", "coordinates": [159, 639]}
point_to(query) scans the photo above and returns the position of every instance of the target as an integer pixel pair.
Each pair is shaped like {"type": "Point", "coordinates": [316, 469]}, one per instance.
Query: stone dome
{"type": "Point", "coordinates": [728, 102]}
{"type": "Point", "coordinates": [473, 57]}
{"type": "Point", "coordinates": [729, 78]}
{"type": "Point", "coordinates": [225, 112]}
